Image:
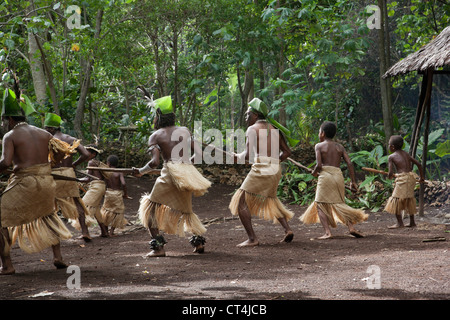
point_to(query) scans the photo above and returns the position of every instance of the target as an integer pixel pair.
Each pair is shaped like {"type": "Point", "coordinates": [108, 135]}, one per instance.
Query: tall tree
{"type": "Point", "coordinates": [386, 100]}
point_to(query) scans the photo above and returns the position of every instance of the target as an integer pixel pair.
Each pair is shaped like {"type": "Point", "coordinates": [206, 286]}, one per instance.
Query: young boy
{"type": "Point", "coordinates": [330, 203]}
{"type": "Point", "coordinates": [405, 181]}
{"type": "Point", "coordinates": [113, 209]}
{"type": "Point", "coordinates": [94, 196]}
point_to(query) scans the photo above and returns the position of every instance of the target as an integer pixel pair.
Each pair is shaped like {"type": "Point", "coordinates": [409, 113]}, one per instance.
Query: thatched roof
{"type": "Point", "coordinates": [435, 54]}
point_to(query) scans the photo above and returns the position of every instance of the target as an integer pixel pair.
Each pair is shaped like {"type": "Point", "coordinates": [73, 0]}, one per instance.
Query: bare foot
{"type": "Point", "coordinates": [325, 236]}
{"type": "Point", "coordinates": [396, 226]}
{"type": "Point", "coordinates": [154, 253]}
{"type": "Point", "coordinates": [288, 237]}
{"type": "Point", "coordinates": [248, 243]}
{"type": "Point", "coordinates": [411, 225]}
{"type": "Point", "coordinates": [59, 264]}
{"type": "Point", "coordinates": [7, 271]}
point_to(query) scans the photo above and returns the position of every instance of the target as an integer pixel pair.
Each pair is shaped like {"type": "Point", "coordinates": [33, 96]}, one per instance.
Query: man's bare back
{"type": "Point", "coordinates": [163, 138]}
{"type": "Point", "coordinates": [25, 146]}
{"type": "Point", "coordinates": [266, 129]}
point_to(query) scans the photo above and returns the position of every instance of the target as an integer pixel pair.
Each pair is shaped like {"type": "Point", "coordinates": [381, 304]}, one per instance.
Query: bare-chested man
{"type": "Point", "coordinates": [27, 208]}
{"type": "Point", "coordinates": [329, 203]}
{"type": "Point", "coordinates": [67, 192]}
{"type": "Point", "coordinates": [257, 196]}
{"type": "Point", "coordinates": [168, 207]}
{"type": "Point", "coordinates": [403, 198]}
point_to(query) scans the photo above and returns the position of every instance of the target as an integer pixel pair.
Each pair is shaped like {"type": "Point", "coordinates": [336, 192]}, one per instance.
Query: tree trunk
{"type": "Point", "coordinates": [127, 98]}
{"type": "Point", "coordinates": [281, 68]}
{"type": "Point", "coordinates": [86, 81]}
{"type": "Point", "coordinates": [49, 76]}
{"type": "Point", "coordinates": [37, 68]}
{"type": "Point", "coordinates": [245, 92]}
{"type": "Point", "coordinates": [385, 104]}
{"type": "Point", "coordinates": [176, 89]}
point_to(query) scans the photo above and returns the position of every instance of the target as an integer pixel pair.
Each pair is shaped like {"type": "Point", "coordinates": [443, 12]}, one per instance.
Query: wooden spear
{"type": "Point", "coordinates": [384, 172]}
{"type": "Point", "coordinates": [375, 171]}
{"type": "Point", "coordinates": [123, 170]}
{"type": "Point", "coordinates": [61, 177]}
{"type": "Point", "coordinates": [298, 164]}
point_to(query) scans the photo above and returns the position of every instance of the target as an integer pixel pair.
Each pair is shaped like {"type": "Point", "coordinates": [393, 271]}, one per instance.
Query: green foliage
{"type": "Point", "coordinates": [375, 188]}
{"type": "Point", "coordinates": [297, 186]}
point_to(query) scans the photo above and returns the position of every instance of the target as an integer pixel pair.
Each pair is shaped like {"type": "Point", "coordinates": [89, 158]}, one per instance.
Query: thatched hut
{"type": "Point", "coordinates": [426, 61]}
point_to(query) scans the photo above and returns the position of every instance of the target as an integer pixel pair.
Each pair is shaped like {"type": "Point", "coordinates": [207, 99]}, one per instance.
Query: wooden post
{"type": "Point", "coordinates": [427, 105]}
{"type": "Point", "coordinates": [417, 122]}
{"type": "Point", "coordinates": [429, 85]}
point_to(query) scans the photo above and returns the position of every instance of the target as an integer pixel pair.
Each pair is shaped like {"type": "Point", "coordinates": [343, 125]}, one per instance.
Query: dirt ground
{"type": "Point", "coordinates": [409, 263]}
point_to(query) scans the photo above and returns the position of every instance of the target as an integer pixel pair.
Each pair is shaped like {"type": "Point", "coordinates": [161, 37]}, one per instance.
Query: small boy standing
{"type": "Point", "coordinates": [329, 204]}
{"type": "Point", "coordinates": [402, 198]}
{"type": "Point", "coordinates": [112, 213]}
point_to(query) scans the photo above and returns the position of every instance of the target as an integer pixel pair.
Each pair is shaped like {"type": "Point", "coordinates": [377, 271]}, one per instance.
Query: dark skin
{"type": "Point", "coordinates": [23, 147]}
{"type": "Point", "coordinates": [95, 173]}
{"type": "Point", "coordinates": [163, 138]}
{"type": "Point", "coordinates": [401, 161]}
{"type": "Point", "coordinates": [260, 126]}
{"type": "Point", "coordinates": [116, 182]}
{"type": "Point", "coordinates": [68, 162]}
{"type": "Point", "coordinates": [330, 153]}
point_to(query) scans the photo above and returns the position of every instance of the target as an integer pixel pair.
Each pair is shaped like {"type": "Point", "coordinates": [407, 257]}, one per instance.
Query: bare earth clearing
{"type": "Point", "coordinates": [306, 269]}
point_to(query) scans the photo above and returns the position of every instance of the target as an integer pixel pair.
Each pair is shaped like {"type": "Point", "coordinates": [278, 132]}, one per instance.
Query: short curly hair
{"type": "Point", "coordinates": [113, 160]}
{"type": "Point", "coordinates": [396, 141]}
{"type": "Point", "coordinates": [329, 128]}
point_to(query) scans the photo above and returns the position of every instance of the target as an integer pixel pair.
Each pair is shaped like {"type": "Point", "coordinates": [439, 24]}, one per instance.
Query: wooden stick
{"type": "Point", "coordinates": [310, 170]}
{"type": "Point", "coordinates": [298, 164]}
{"type": "Point", "coordinates": [375, 171]}
{"type": "Point", "coordinates": [220, 150]}
{"type": "Point", "coordinates": [384, 172]}
{"type": "Point", "coordinates": [124, 170]}
{"type": "Point", "coordinates": [55, 176]}
{"type": "Point", "coordinates": [61, 177]}
{"type": "Point", "coordinates": [87, 174]}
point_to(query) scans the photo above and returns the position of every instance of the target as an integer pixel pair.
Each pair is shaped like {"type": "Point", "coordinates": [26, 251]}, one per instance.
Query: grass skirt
{"type": "Point", "coordinates": [40, 234]}
{"type": "Point", "coordinates": [171, 221]}
{"type": "Point", "coordinates": [169, 206]}
{"type": "Point", "coordinates": [403, 198]}
{"type": "Point", "coordinates": [112, 213]}
{"type": "Point", "coordinates": [260, 191]}
{"type": "Point", "coordinates": [335, 212]}
{"type": "Point", "coordinates": [267, 208]}
{"type": "Point", "coordinates": [330, 198]}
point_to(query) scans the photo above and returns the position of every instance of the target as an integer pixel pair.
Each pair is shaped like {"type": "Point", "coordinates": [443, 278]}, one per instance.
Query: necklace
{"type": "Point", "coordinates": [19, 124]}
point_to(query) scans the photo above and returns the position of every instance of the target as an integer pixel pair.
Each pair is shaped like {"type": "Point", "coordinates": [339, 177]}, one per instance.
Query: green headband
{"type": "Point", "coordinates": [11, 107]}
{"type": "Point", "coordinates": [259, 106]}
{"type": "Point", "coordinates": [52, 120]}
{"type": "Point", "coordinates": [164, 104]}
